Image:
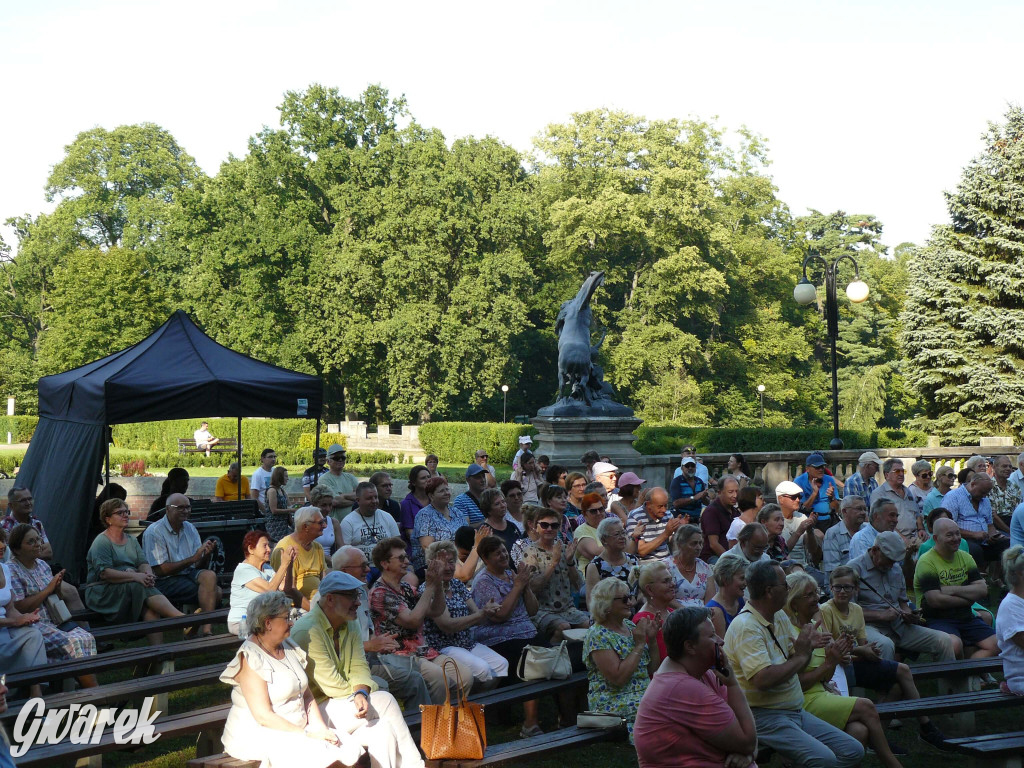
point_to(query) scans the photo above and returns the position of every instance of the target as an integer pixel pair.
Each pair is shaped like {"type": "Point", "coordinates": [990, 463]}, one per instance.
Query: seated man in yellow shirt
{"type": "Point", "coordinates": [309, 564]}
{"type": "Point", "coordinates": [227, 485]}
{"type": "Point", "coordinates": [767, 653]}
{"type": "Point", "coordinates": [339, 676]}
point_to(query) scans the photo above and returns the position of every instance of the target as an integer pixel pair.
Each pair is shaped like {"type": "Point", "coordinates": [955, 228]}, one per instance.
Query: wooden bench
{"type": "Point", "coordinates": [225, 445]}
{"type": "Point", "coordinates": [157, 685]}
{"type": "Point", "coordinates": [169, 726]}
{"type": "Point", "coordinates": [143, 628]}
{"type": "Point", "coordinates": [938, 669]}
{"type": "Point", "coordinates": [533, 747]}
{"type": "Point", "coordinates": [998, 750]}
{"type": "Point", "coordinates": [129, 657]}
{"type": "Point", "coordinates": [971, 701]}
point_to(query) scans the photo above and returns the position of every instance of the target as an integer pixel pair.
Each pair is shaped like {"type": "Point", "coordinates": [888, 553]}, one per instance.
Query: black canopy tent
{"type": "Point", "coordinates": [178, 372]}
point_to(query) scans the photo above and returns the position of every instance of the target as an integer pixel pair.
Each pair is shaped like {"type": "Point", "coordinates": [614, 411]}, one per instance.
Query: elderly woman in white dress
{"type": "Point", "coordinates": [273, 715]}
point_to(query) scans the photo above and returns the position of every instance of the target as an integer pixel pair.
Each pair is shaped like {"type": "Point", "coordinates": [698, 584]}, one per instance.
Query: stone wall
{"type": "Point", "coordinates": [359, 438]}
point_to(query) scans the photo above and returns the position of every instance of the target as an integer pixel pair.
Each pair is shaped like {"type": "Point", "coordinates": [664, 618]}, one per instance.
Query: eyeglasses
{"type": "Point", "coordinates": [350, 594]}
{"type": "Point", "coordinates": [125, 512]}
{"type": "Point", "coordinates": [790, 495]}
{"type": "Point", "coordinates": [363, 566]}
{"type": "Point", "coordinates": [336, 458]}
{"type": "Point", "coordinates": [547, 526]}
{"type": "Point", "coordinates": [843, 587]}
{"type": "Point", "coordinates": [925, 474]}
{"type": "Point", "coordinates": [400, 558]}
{"type": "Point", "coordinates": [949, 475]}
{"type": "Point", "coordinates": [187, 507]}
{"type": "Point", "coordinates": [596, 510]}
{"type": "Point", "coordinates": [483, 456]}
{"type": "Point", "coordinates": [623, 598]}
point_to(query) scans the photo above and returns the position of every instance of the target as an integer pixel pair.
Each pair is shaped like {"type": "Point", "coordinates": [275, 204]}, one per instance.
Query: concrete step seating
{"type": "Point", "coordinates": [997, 750]}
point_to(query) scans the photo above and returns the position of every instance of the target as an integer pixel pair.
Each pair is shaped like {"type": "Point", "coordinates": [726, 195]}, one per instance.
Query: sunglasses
{"type": "Point", "coordinates": [790, 495]}
{"type": "Point", "coordinates": [595, 510]}
{"type": "Point", "coordinates": [548, 526]}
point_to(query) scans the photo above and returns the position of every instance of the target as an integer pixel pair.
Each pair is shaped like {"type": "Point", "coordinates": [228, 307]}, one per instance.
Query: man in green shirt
{"type": "Point", "coordinates": [341, 483]}
{"type": "Point", "coordinates": [947, 582]}
{"type": "Point", "coordinates": [339, 677]}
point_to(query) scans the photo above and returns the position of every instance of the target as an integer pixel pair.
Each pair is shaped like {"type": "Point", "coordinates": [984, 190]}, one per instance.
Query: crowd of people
{"type": "Point", "coordinates": [712, 622]}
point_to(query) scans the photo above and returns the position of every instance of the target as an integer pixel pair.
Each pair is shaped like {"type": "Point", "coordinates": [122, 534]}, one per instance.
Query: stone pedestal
{"type": "Point", "coordinates": [566, 438]}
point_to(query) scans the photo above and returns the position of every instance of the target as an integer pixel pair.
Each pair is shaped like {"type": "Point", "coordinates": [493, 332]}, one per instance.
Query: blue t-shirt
{"type": "Point", "coordinates": [821, 506]}
{"type": "Point", "coordinates": [1017, 526]}
{"type": "Point", "coordinates": [681, 487]}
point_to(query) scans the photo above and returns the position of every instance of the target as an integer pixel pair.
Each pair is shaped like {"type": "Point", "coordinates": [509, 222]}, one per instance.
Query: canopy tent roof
{"type": "Point", "coordinates": [178, 372]}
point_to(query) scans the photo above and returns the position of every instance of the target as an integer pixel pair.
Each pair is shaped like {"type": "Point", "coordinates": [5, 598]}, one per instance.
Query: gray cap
{"type": "Point", "coordinates": [339, 581]}
{"type": "Point", "coordinates": [867, 457]}
{"type": "Point", "coordinates": [336, 448]}
{"type": "Point", "coordinates": [891, 545]}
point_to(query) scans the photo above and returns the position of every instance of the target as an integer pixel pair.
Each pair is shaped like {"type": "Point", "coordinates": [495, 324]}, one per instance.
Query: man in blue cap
{"type": "Point", "coordinates": [339, 676]}
{"type": "Point", "coordinates": [820, 492]}
{"type": "Point", "coordinates": [468, 504]}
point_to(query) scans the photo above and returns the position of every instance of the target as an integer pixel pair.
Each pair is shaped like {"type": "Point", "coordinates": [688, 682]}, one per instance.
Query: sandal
{"type": "Point", "coordinates": [533, 730]}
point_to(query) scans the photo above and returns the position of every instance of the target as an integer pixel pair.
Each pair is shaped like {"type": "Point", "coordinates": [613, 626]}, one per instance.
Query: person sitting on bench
{"type": "Point", "coordinates": [309, 564]}
{"type": "Point", "coordinates": [204, 440]}
{"type": "Point", "coordinates": [121, 585]}
{"type": "Point", "coordinates": [339, 676]}
{"type": "Point", "coordinates": [273, 716]}
{"type": "Point", "coordinates": [1010, 622]}
{"type": "Point", "coordinates": [179, 559]}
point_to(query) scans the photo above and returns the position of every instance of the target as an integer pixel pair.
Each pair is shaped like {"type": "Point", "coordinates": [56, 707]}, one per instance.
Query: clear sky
{"type": "Point", "coordinates": [869, 107]}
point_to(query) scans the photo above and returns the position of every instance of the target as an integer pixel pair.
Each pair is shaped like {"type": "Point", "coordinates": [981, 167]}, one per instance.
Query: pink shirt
{"type": "Point", "coordinates": [676, 712]}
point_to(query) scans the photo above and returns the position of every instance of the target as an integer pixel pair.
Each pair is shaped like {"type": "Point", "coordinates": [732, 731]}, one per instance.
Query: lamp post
{"type": "Point", "coordinates": [760, 394]}
{"type": "Point", "coordinates": [504, 401]}
{"type": "Point", "coordinates": [806, 292]}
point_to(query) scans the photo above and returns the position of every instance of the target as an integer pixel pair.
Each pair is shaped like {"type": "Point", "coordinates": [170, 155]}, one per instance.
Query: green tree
{"type": "Point", "coordinates": [964, 317]}
{"type": "Point", "coordinates": [103, 301]}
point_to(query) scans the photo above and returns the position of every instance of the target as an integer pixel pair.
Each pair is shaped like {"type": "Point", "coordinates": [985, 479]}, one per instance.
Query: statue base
{"type": "Point", "coordinates": [566, 438]}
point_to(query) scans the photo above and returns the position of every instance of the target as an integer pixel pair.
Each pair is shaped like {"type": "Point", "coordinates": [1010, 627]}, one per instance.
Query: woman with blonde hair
{"type": "Point", "coordinates": [1010, 622]}
{"type": "Point", "coordinates": [621, 656]}
{"type": "Point", "coordinates": [730, 574]}
{"type": "Point", "coordinates": [658, 588]}
{"type": "Point", "coordinates": [857, 716]}
{"type": "Point", "coordinates": [694, 584]}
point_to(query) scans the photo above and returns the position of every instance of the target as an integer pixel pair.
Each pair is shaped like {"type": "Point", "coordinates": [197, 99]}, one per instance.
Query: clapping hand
{"type": "Point", "coordinates": [570, 551]}
{"type": "Point", "coordinates": [641, 631]}
{"type": "Point", "coordinates": [556, 551]}
{"type": "Point", "coordinates": [54, 584]}
{"type": "Point", "coordinates": [290, 554]}
{"type": "Point", "coordinates": [481, 532]}
{"type": "Point", "coordinates": [434, 571]}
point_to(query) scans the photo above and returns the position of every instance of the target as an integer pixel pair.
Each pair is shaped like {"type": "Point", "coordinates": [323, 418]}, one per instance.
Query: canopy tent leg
{"type": "Point", "coordinates": [107, 435]}
{"type": "Point", "coordinates": [316, 444]}
{"type": "Point", "coordinates": [239, 443]}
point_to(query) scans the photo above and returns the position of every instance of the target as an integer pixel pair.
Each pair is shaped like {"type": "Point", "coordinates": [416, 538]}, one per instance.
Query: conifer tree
{"type": "Point", "coordinates": [964, 315]}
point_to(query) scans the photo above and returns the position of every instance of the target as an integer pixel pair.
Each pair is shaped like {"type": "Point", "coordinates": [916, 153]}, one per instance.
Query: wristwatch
{"type": "Point", "coordinates": [358, 693]}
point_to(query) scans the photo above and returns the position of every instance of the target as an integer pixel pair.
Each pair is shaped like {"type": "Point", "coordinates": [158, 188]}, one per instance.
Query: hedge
{"type": "Point", "coordinates": [20, 427]}
{"type": "Point", "coordinates": [455, 442]}
{"type": "Point", "coordinates": [280, 434]}
{"type": "Point", "coordinates": [662, 439]}
{"type": "Point", "coordinates": [359, 462]}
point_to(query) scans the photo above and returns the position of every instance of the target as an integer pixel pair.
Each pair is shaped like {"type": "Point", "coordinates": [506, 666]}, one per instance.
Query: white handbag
{"type": "Point", "coordinates": [537, 663]}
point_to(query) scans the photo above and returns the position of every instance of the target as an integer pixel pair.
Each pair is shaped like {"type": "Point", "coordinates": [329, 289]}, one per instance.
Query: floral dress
{"type": "Point", "coordinates": [602, 696]}
{"type": "Point", "coordinates": [457, 598]}
{"type": "Point", "coordinates": [60, 646]}
{"type": "Point", "coordinates": [431, 522]}
{"type": "Point", "coordinates": [385, 604]}
{"type": "Point", "coordinates": [554, 599]}
{"type": "Point", "coordinates": [691, 592]}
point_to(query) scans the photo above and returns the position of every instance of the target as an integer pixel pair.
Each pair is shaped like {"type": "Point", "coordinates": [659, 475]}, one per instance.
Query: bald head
{"type": "Point", "coordinates": [178, 509]}
{"type": "Point", "coordinates": [979, 486]}
{"type": "Point", "coordinates": [657, 503]}
{"type": "Point", "coordinates": [947, 537]}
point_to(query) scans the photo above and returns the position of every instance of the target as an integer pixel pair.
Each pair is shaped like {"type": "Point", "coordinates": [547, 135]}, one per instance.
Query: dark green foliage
{"type": "Point", "coordinates": [280, 434]}
{"type": "Point", "coordinates": [20, 427]}
{"type": "Point", "coordinates": [655, 440]}
{"type": "Point", "coordinates": [964, 316]}
{"type": "Point", "coordinates": [455, 442]}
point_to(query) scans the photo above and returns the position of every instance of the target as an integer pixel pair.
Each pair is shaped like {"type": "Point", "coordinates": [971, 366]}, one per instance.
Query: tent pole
{"type": "Point", "coordinates": [106, 439]}
{"type": "Point", "coordinates": [239, 458]}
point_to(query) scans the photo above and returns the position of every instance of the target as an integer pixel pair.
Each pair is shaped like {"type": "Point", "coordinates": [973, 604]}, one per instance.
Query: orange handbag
{"type": "Point", "coordinates": [453, 732]}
